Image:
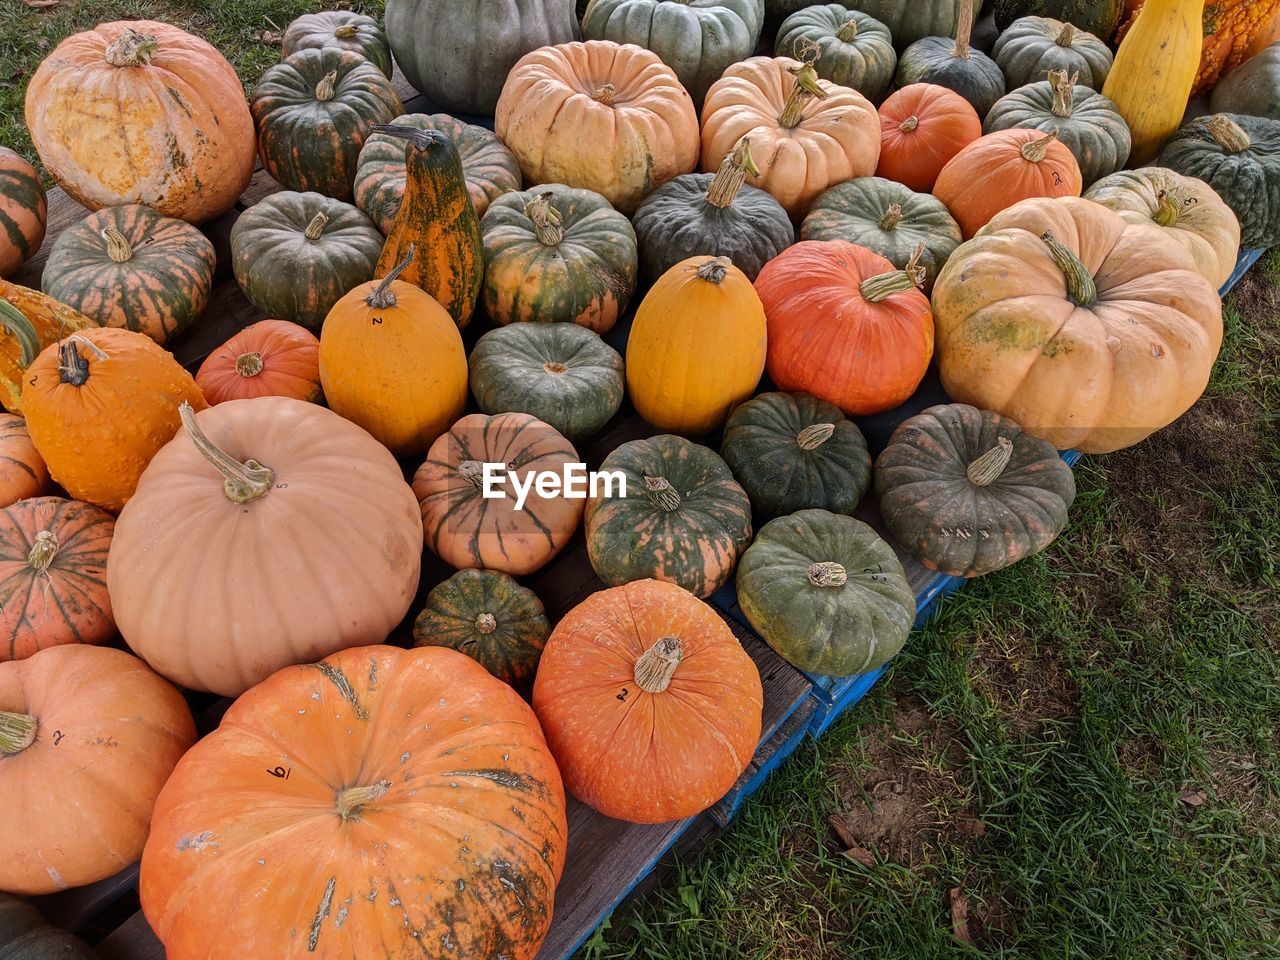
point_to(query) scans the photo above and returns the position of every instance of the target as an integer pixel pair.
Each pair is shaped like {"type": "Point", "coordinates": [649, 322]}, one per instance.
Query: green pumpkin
{"type": "Point", "coordinates": [955, 65]}
{"type": "Point", "coordinates": [966, 492]}
{"type": "Point", "coordinates": [1253, 88]}
{"type": "Point", "coordinates": [1032, 46]}
{"type": "Point", "coordinates": [313, 113]}
{"type": "Point", "coordinates": [1099, 17]}
{"type": "Point", "coordinates": [792, 451]}
{"type": "Point", "coordinates": [684, 518]}
{"type": "Point", "coordinates": [889, 218]}
{"type": "Point", "coordinates": [561, 373]}
{"type": "Point", "coordinates": [342, 29]}
{"type": "Point", "coordinates": [855, 50]}
{"type": "Point", "coordinates": [489, 617]}
{"type": "Point", "coordinates": [25, 935]}
{"type": "Point", "coordinates": [1239, 157]}
{"type": "Point", "coordinates": [1087, 123]}
{"type": "Point", "coordinates": [826, 593]}
{"type": "Point", "coordinates": [296, 254]}
{"type": "Point", "coordinates": [912, 20]}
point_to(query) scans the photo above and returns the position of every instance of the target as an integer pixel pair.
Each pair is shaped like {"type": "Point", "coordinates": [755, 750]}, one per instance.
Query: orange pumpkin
{"type": "Point", "coordinates": [93, 734]}
{"type": "Point", "coordinates": [271, 358]}
{"type": "Point", "coordinates": [31, 321]}
{"type": "Point", "coordinates": [922, 126]}
{"type": "Point", "coordinates": [394, 803]}
{"type": "Point", "coordinates": [23, 211]}
{"type": "Point", "coordinates": [22, 470]}
{"type": "Point", "coordinates": [649, 703]}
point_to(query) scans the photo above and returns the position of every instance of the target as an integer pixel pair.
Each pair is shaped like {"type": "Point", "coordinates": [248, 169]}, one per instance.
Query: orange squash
{"type": "Point", "coordinates": [922, 126]}
{"type": "Point", "coordinates": [30, 321]}
{"type": "Point", "coordinates": [271, 358]}
{"type": "Point", "coordinates": [23, 472]}
{"type": "Point", "coordinates": [23, 211]}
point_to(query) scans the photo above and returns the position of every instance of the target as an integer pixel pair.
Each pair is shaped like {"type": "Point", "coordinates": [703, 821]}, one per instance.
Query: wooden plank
{"type": "Point", "coordinates": [781, 744]}
{"type": "Point", "coordinates": [132, 940]}
{"type": "Point", "coordinates": [72, 909]}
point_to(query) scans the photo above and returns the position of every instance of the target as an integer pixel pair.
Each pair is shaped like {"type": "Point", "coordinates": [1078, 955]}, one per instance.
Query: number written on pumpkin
{"type": "Point", "coordinates": [281, 773]}
{"type": "Point", "coordinates": [57, 737]}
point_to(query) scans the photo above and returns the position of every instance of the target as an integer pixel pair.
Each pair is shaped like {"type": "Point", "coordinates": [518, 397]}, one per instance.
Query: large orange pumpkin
{"type": "Point", "coordinates": [88, 735]}
{"type": "Point", "coordinates": [271, 358]}
{"type": "Point", "coordinates": [922, 126]}
{"type": "Point", "coordinates": [386, 802]}
{"type": "Point", "coordinates": [23, 472]}
{"type": "Point", "coordinates": [30, 321]}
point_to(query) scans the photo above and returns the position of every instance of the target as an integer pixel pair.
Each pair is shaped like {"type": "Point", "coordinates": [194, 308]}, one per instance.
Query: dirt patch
{"type": "Point", "coordinates": [1027, 682]}
{"type": "Point", "coordinates": [1237, 778]}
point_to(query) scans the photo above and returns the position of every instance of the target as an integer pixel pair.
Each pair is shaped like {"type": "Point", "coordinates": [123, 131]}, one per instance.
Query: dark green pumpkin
{"type": "Point", "coordinates": [1032, 46]}
{"type": "Point", "coordinates": [912, 20]}
{"type": "Point", "coordinates": [955, 65]}
{"type": "Point", "coordinates": [826, 593]}
{"type": "Point", "coordinates": [561, 373]}
{"type": "Point", "coordinates": [313, 113]}
{"type": "Point", "coordinates": [343, 29]}
{"type": "Point", "coordinates": [1099, 17]}
{"type": "Point", "coordinates": [489, 617]}
{"type": "Point", "coordinates": [1253, 88]}
{"type": "Point", "coordinates": [296, 254]}
{"type": "Point", "coordinates": [25, 935]}
{"type": "Point", "coordinates": [965, 491]}
{"type": "Point", "coordinates": [792, 451]}
{"type": "Point", "coordinates": [684, 518]}
{"type": "Point", "coordinates": [855, 49]}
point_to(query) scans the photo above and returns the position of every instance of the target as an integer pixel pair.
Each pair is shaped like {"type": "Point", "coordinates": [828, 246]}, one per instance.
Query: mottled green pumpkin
{"type": "Point", "coordinates": [1099, 17]}
{"type": "Point", "coordinates": [911, 20]}
{"type": "Point", "coordinates": [561, 373]}
{"type": "Point", "coordinates": [343, 29]}
{"type": "Point", "coordinates": [955, 65]}
{"type": "Point", "coordinates": [854, 49]}
{"type": "Point", "coordinates": [826, 592]}
{"type": "Point", "coordinates": [23, 211]}
{"type": "Point", "coordinates": [489, 617]}
{"type": "Point", "coordinates": [26, 935]}
{"type": "Point", "coordinates": [1032, 46]}
{"type": "Point", "coordinates": [1253, 88]}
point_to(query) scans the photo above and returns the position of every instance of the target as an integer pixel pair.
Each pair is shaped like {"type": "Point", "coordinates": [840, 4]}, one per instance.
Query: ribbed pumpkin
{"type": "Point", "coordinates": [23, 473]}
{"type": "Point", "coordinates": [489, 617]}
{"type": "Point", "coordinates": [24, 935]}
{"type": "Point", "coordinates": [391, 360]}
{"type": "Point", "coordinates": [953, 64]}
{"type": "Point", "coordinates": [444, 773]}
{"type": "Point", "coordinates": [309, 542]}
{"type": "Point", "coordinates": [922, 126]}
{"type": "Point", "coordinates": [31, 321]}
{"type": "Point", "coordinates": [697, 346]}
{"type": "Point", "coordinates": [999, 169]}
{"type": "Point", "coordinates": [131, 267]}
{"type": "Point", "coordinates": [271, 358]}
{"type": "Point", "coordinates": [462, 527]}
{"type": "Point", "coordinates": [912, 20]}
{"type": "Point", "coordinates": [556, 253]}
{"type": "Point", "coordinates": [561, 373]}
{"type": "Point", "coordinates": [488, 167]}
{"type": "Point", "coordinates": [94, 734]}
{"type": "Point", "coordinates": [684, 519]}
{"type": "Point", "coordinates": [342, 29]}
{"type": "Point", "coordinates": [853, 49]}
{"type": "Point", "coordinates": [826, 593]}
{"type": "Point", "coordinates": [650, 705]}
{"type": "Point", "coordinates": [967, 492]}
{"type": "Point", "coordinates": [792, 451]}
{"type": "Point", "coordinates": [1032, 46]}
{"type": "Point", "coordinates": [1097, 16]}
{"type": "Point", "coordinates": [313, 113]}
{"type": "Point", "coordinates": [296, 254]}
{"type": "Point", "coordinates": [1252, 88]}
{"type": "Point", "coordinates": [845, 325]}
{"type": "Point", "coordinates": [142, 112]}
{"type": "Point", "coordinates": [99, 405]}
{"type": "Point", "coordinates": [23, 211]}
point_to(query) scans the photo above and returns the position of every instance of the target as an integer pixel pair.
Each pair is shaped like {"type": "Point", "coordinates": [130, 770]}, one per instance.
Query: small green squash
{"type": "Point", "coordinates": [343, 29]}
{"type": "Point", "coordinates": [1032, 46]}
{"type": "Point", "coordinates": [26, 935]}
{"type": "Point", "coordinates": [1099, 17]}
{"type": "Point", "coordinates": [955, 65]}
{"type": "Point", "coordinates": [854, 49]}
{"type": "Point", "coordinates": [1253, 88]}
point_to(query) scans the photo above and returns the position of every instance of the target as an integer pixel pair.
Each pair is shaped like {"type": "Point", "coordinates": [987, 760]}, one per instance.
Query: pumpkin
{"type": "Point", "coordinates": [1032, 46]}
{"type": "Point", "coordinates": [142, 112]}
{"type": "Point", "coordinates": [436, 229]}
{"type": "Point", "coordinates": [24, 935]}
{"type": "Point", "coordinates": [954, 65]}
{"type": "Point", "coordinates": [1239, 157]}
{"type": "Point", "coordinates": [489, 617]}
{"type": "Point", "coordinates": [296, 254]}
{"type": "Point", "coordinates": [999, 169]}
{"type": "Point", "coordinates": [488, 167]}
{"type": "Point", "coordinates": [445, 774]}
{"type": "Point", "coordinates": [561, 373]}
{"type": "Point", "coordinates": [1098, 17]}
{"type": "Point", "coordinates": [484, 40]}
{"type": "Point", "coordinates": [341, 29]}
{"type": "Point", "coordinates": [697, 346]}
{"type": "Point", "coordinates": [1087, 123]}
{"type": "Point", "coordinates": [392, 361]}
{"type": "Point", "coordinates": [887, 218]}
{"type": "Point", "coordinates": [826, 593]}
{"type": "Point", "coordinates": [967, 492]}
{"type": "Point", "coordinates": [99, 405]}
{"type": "Point", "coordinates": [313, 112]}
{"type": "Point", "coordinates": [852, 49]}
{"type": "Point", "coordinates": [598, 115]}
{"type": "Point", "coordinates": [915, 19]}
{"type": "Point", "coordinates": [94, 734]}
{"type": "Point", "coordinates": [466, 529]}
{"type": "Point", "coordinates": [1253, 88]}
{"type": "Point", "coordinates": [131, 267]}
{"type": "Point", "coordinates": [650, 705]}
{"type": "Point", "coordinates": [680, 517]}
{"type": "Point", "coordinates": [1184, 208]}
{"type": "Point", "coordinates": [698, 39]}
{"type": "Point", "coordinates": [556, 253]}
{"type": "Point", "coordinates": [922, 126]}
{"type": "Point", "coordinates": [806, 133]}
{"type": "Point", "coordinates": [248, 481]}
{"type": "Point", "coordinates": [792, 451]}
{"type": "Point", "coordinates": [845, 325]}
{"type": "Point", "coordinates": [23, 211]}
{"type": "Point", "coordinates": [30, 321]}
{"type": "Point", "coordinates": [22, 471]}
{"type": "Point", "coordinates": [271, 358]}
{"type": "Point", "coordinates": [715, 214]}
{"type": "Point", "coordinates": [1088, 331]}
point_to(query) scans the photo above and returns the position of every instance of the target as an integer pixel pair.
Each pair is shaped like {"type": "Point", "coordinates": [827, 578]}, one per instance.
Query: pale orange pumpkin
{"type": "Point", "coordinates": [23, 472]}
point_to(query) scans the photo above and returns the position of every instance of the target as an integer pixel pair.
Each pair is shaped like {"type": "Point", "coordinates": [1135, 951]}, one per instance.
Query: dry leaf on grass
{"type": "Point", "coordinates": [849, 843]}
{"type": "Point", "coordinates": [270, 37]}
{"type": "Point", "coordinates": [1193, 796]}
{"type": "Point", "coordinates": [41, 4]}
{"type": "Point", "coordinates": [971, 826]}
{"type": "Point", "coordinates": [960, 915]}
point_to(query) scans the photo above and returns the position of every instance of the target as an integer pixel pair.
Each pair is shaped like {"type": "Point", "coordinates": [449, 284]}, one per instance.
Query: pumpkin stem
{"type": "Point", "coordinates": [486, 623]}
{"type": "Point", "coordinates": [604, 94]}
{"type": "Point", "coordinates": [1035, 150]}
{"type": "Point", "coordinates": [327, 86]}
{"type": "Point", "coordinates": [892, 217]}
{"type": "Point", "coordinates": [316, 227]}
{"type": "Point", "coordinates": [806, 88]}
{"type": "Point", "coordinates": [1168, 207]}
{"type": "Point", "coordinates": [986, 470]}
{"type": "Point", "coordinates": [555, 367]}
{"type": "Point", "coordinates": [472, 471]}
{"type": "Point", "coordinates": [118, 248]}
{"type": "Point", "coordinates": [827, 573]}
{"type": "Point", "coordinates": [964, 29]}
{"type": "Point", "coordinates": [657, 665]}
{"type": "Point", "coordinates": [661, 493]}
{"type": "Point", "coordinates": [132, 49]}
{"type": "Point", "coordinates": [17, 732]}
{"type": "Point", "coordinates": [353, 799]}
{"type": "Point", "coordinates": [249, 364]}
{"type": "Point", "coordinates": [848, 31]}
{"type": "Point", "coordinates": [244, 481]}
{"type": "Point", "coordinates": [14, 321]}
{"type": "Point", "coordinates": [548, 224]}
{"type": "Point", "coordinates": [815, 435]}
{"type": "Point", "coordinates": [347, 31]}
{"type": "Point", "coordinates": [1228, 134]}
{"type": "Point", "coordinates": [1064, 89]}
{"type": "Point", "coordinates": [382, 297]}
{"type": "Point", "coordinates": [877, 288]}
{"type": "Point", "coordinates": [1066, 36]}
{"type": "Point", "coordinates": [713, 269]}
{"type": "Point", "coordinates": [909, 124]}
{"type": "Point", "coordinates": [72, 366]}
{"type": "Point", "coordinates": [732, 175]}
{"type": "Point", "coordinates": [1081, 289]}
{"type": "Point", "coordinates": [418, 139]}
{"type": "Point", "coordinates": [42, 552]}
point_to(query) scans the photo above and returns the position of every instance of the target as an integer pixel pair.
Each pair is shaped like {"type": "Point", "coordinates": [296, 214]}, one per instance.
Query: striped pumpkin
{"type": "Point", "coordinates": [22, 211]}
{"type": "Point", "coordinates": [134, 268]}
{"type": "Point", "coordinates": [272, 358]}
{"type": "Point", "coordinates": [23, 473]}
{"type": "Point", "coordinates": [53, 575]}
{"type": "Point", "coordinates": [30, 321]}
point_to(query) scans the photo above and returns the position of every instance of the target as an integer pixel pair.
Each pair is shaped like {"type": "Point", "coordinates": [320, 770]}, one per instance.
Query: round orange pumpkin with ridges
{"type": "Point", "coordinates": [393, 803]}
{"type": "Point", "coordinates": [23, 210]}
{"type": "Point", "coordinates": [23, 473]}
{"type": "Point", "coordinates": [649, 703]}
{"type": "Point", "coordinates": [271, 358]}
{"type": "Point", "coordinates": [142, 112]}
{"type": "Point", "coordinates": [31, 322]}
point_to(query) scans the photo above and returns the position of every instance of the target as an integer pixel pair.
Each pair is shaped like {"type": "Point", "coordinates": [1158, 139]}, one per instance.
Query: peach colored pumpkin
{"type": "Point", "coordinates": [23, 473]}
